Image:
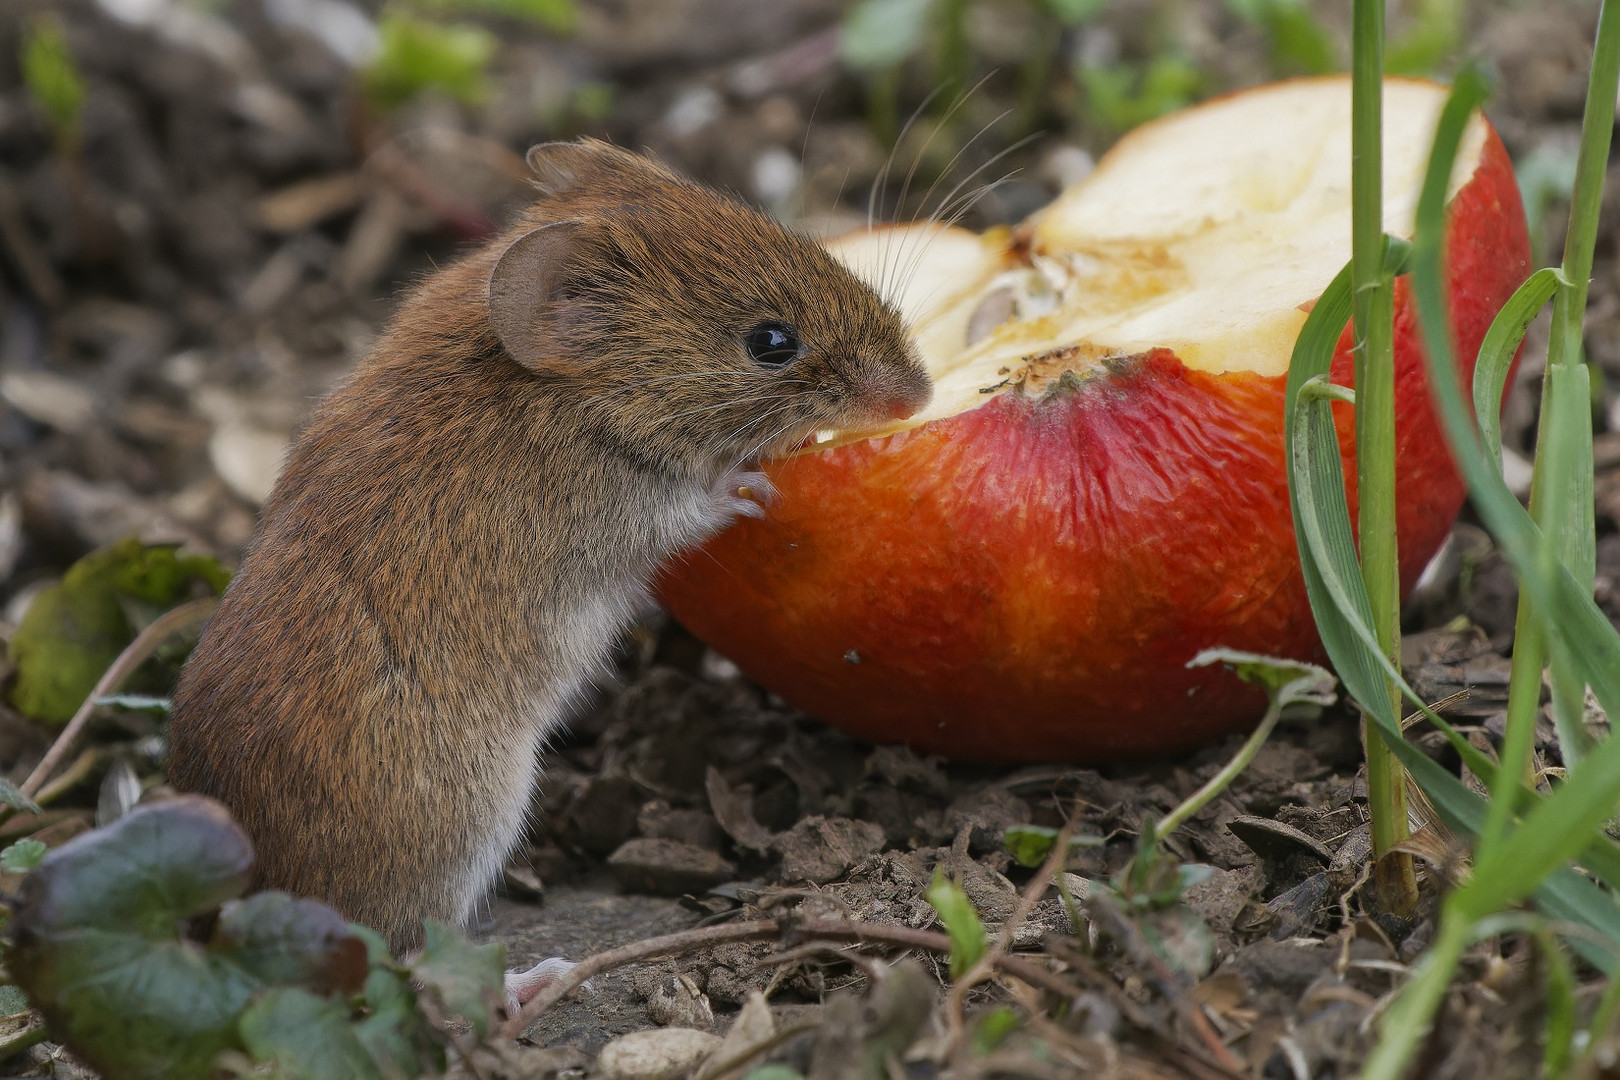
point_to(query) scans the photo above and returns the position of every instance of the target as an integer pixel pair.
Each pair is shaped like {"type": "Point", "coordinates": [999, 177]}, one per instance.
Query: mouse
{"type": "Point", "coordinates": [464, 527]}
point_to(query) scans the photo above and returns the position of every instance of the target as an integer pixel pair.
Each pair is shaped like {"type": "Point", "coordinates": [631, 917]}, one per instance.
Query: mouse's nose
{"type": "Point", "coordinates": [901, 406]}
{"type": "Point", "coordinates": [915, 392]}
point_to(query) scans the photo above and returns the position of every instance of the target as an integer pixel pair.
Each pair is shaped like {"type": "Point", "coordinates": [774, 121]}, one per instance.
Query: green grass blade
{"type": "Point", "coordinates": [1559, 828]}
{"type": "Point", "coordinates": [1563, 504]}
{"type": "Point", "coordinates": [1332, 580]}
{"type": "Point", "coordinates": [1560, 1005]}
{"type": "Point", "coordinates": [1496, 354]}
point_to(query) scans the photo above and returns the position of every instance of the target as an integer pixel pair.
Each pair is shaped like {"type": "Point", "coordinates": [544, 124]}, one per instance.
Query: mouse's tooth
{"type": "Point", "coordinates": [826, 435]}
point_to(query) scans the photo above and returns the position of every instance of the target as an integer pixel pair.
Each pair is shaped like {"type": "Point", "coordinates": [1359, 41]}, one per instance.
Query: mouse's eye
{"type": "Point", "coordinates": [772, 344]}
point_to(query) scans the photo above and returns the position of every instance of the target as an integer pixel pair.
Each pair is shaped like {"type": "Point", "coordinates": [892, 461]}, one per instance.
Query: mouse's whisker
{"type": "Point", "coordinates": [905, 263]}
{"type": "Point", "coordinates": [917, 158]}
{"type": "Point", "coordinates": [710, 373]}
{"type": "Point", "coordinates": [760, 446]}
{"type": "Point", "coordinates": [956, 158]}
{"type": "Point", "coordinates": [737, 434]}
{"type": "Point", "coordinates": [898, 264]}
{"type": "Point", "coordinates": [885, 284]}
{"type": "Point", "coordinates": [957, 203]}
{"type": "Point", "coordinates": [882, 177]}
{"type": "Point", "coordinates": [727, 404]}
{"type": "Point", "coordinates": [916, 257]}
{"type": "Point", "coordinates": [945, 204]}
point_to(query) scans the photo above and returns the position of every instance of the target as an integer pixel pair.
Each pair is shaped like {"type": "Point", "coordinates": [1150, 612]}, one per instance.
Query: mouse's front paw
{"type": "Point", "coordinates": [744, 494]}
{"type": "Point", "coordinates": [522, 986]}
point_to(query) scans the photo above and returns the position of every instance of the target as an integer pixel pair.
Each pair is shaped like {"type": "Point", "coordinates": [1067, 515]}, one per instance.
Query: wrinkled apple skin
{"type": "Point", "coordinates": [1027, 580]}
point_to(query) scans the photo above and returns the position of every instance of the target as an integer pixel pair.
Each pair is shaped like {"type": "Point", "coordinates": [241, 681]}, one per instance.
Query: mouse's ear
{"type": "Point", "coordinates": [528, 281]}
{"type": "Point", "coordinates": [561, 167]}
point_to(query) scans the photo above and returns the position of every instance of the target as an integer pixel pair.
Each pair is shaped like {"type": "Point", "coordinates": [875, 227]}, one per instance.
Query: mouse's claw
{"type": "Point", "coordinates": [745, 494]}
{"type": "Point", "coordinates": [522, 986]}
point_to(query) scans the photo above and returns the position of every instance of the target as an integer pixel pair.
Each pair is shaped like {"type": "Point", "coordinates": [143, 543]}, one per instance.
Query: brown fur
{"type": "Point", "coordinates": [458, 535]}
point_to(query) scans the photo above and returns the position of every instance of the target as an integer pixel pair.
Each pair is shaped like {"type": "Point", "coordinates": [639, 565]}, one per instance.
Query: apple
{"type": "Point", "coordinates": [1096, 492]}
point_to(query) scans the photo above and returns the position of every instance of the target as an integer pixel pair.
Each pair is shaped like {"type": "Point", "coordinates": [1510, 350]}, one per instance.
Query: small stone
{"type": "Point", "coordinates": [820, 849]}
{"type": "Point", "coordinates": [49, 399]}
{"type": "Point", "coordinates": [661, 1054]}
{"type": "Point", "coordinates": [696, 827]}
{"type": "Point", "coordinates": [668, 867]}
{"type": "Point", "coordinates": [754, 1026]}
{"type": "Point", "coordinates": [679, 1001]}
{"type": "Point", "coordinates": [248, 459]}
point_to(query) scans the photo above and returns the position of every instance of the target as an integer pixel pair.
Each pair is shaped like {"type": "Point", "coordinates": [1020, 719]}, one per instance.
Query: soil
{"type": "Point", "coordinates": [221, 236]}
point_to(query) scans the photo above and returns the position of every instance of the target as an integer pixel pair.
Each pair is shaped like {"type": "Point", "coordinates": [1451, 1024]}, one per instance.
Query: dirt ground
{"type": "Point", "coordinates": [224, 240]}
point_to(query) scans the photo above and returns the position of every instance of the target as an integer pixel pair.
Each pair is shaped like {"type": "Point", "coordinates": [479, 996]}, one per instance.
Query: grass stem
{"type": "Point", "coordinates": [1373, 314]}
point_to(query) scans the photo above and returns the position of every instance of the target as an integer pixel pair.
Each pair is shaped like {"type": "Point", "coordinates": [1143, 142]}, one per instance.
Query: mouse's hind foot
{"type": "Point", "coordinates": [522, 986]}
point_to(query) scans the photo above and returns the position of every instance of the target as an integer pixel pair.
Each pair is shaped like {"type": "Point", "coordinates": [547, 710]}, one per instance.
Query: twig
{"type": "Point", "coordinates": [433, 1010]}
{"type": "Point", "coordinates": [135, 654]}
{"type": "Point", "coordinates": [986, 964]}
{"type": "Point", "coordinates": [390, 164]}
{"type": "Point", "coordinates": [740, 1059]}
{"type": "Point", "coordinates": [41, 277]}
{"type": "Point", "coordinates": [1164, 981]}
{"type": "Point", "coordinates": [75, 774]}
{"type": "Point", "coordinates": [13, 1045]}
{"type": "Point", "coordinates": [862, 933]}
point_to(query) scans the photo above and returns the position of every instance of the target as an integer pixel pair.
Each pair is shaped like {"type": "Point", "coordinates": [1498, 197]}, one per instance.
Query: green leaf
{"type": "Point", "coordinates": [147, 703]}
{"type": "Point", "coordinates": [11, 795]}
{"type": "Point", "coordinates": [1497, 350]}
{"type": "Point", "coordinates": [284, 939]}
{"type": "Point", "coordinates": [1339, 603]}
{"type": "Point", "coordinates": [97, 941]}
{"type": "Point", "coordinates": [994, 1026]}
{"type": "Point", "coordinates": [23, 856]}
{"type": "Point", "coordinates": [307, 1036]}
{"type": "Point", "coordinates": [396, 1035]}
{"type": "Point", "coordinates": [1286, 682]}
{"type": "Point", "coordinates": [773, 1072]}
{"type": "Point", "coordinates": [879, 34]}
{"type": "Point", "coordinates": [74, 630]}
{"type": "Point", "coordinates": [132, 1006]}
{"type": "Point", "coordinates": [962, 924]}
{"type": "Point", "coordinates": [1074, 12]}
{"type": "Point", "coordinates": [467, 978]}
{"type": "Point", "coordinates": [558, 16]}
{"type": "Point", "coordinates": [12, 1000]}
{"type": "Point", "coordinates": [160, 862]}
{"type": "Point", "coordinates": [99, 946]}
{"type": "Point", "coordinates": [1123, 96]}
{"type": "Point", "coordinates": [52, 78]}
{"type": "Point", "coordinates": [1030, 845]}
{"type": "Point", "coordinates": [415, 55]}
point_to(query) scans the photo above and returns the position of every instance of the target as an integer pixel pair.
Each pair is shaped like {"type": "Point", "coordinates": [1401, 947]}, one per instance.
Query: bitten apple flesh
{"type": "Point", "coordinates": [1097, 492]}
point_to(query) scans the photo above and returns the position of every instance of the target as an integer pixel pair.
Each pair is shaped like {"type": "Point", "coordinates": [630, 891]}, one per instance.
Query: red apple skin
{"type": "Point", "coordinates": [1027, 580]}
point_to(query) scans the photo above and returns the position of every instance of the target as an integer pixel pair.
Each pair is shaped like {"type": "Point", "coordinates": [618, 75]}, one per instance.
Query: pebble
{"type": "Point", "coordinates": [660, 1054]}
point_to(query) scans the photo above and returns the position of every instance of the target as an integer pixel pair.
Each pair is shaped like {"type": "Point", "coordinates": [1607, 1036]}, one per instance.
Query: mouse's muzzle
{"type": "Point", "coordinates": [899, 394]}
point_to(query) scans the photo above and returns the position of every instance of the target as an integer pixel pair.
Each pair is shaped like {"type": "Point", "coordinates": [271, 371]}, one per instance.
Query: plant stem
{"type": "Point", "coordinates": [1561, 495]}
{"type": "Point", "coordinates": [1373, 310]}
{"type": "Point", "coordinates": [1597, 128]}
{"type": "Point", "coordinates": [1519, 732]}
{"type": "Point", "coordinates": [1407, 1020]}
{"type": "Point", "coordinates": [1219, 782]}
{"type": "Point", "coordinates": [133, 656]}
